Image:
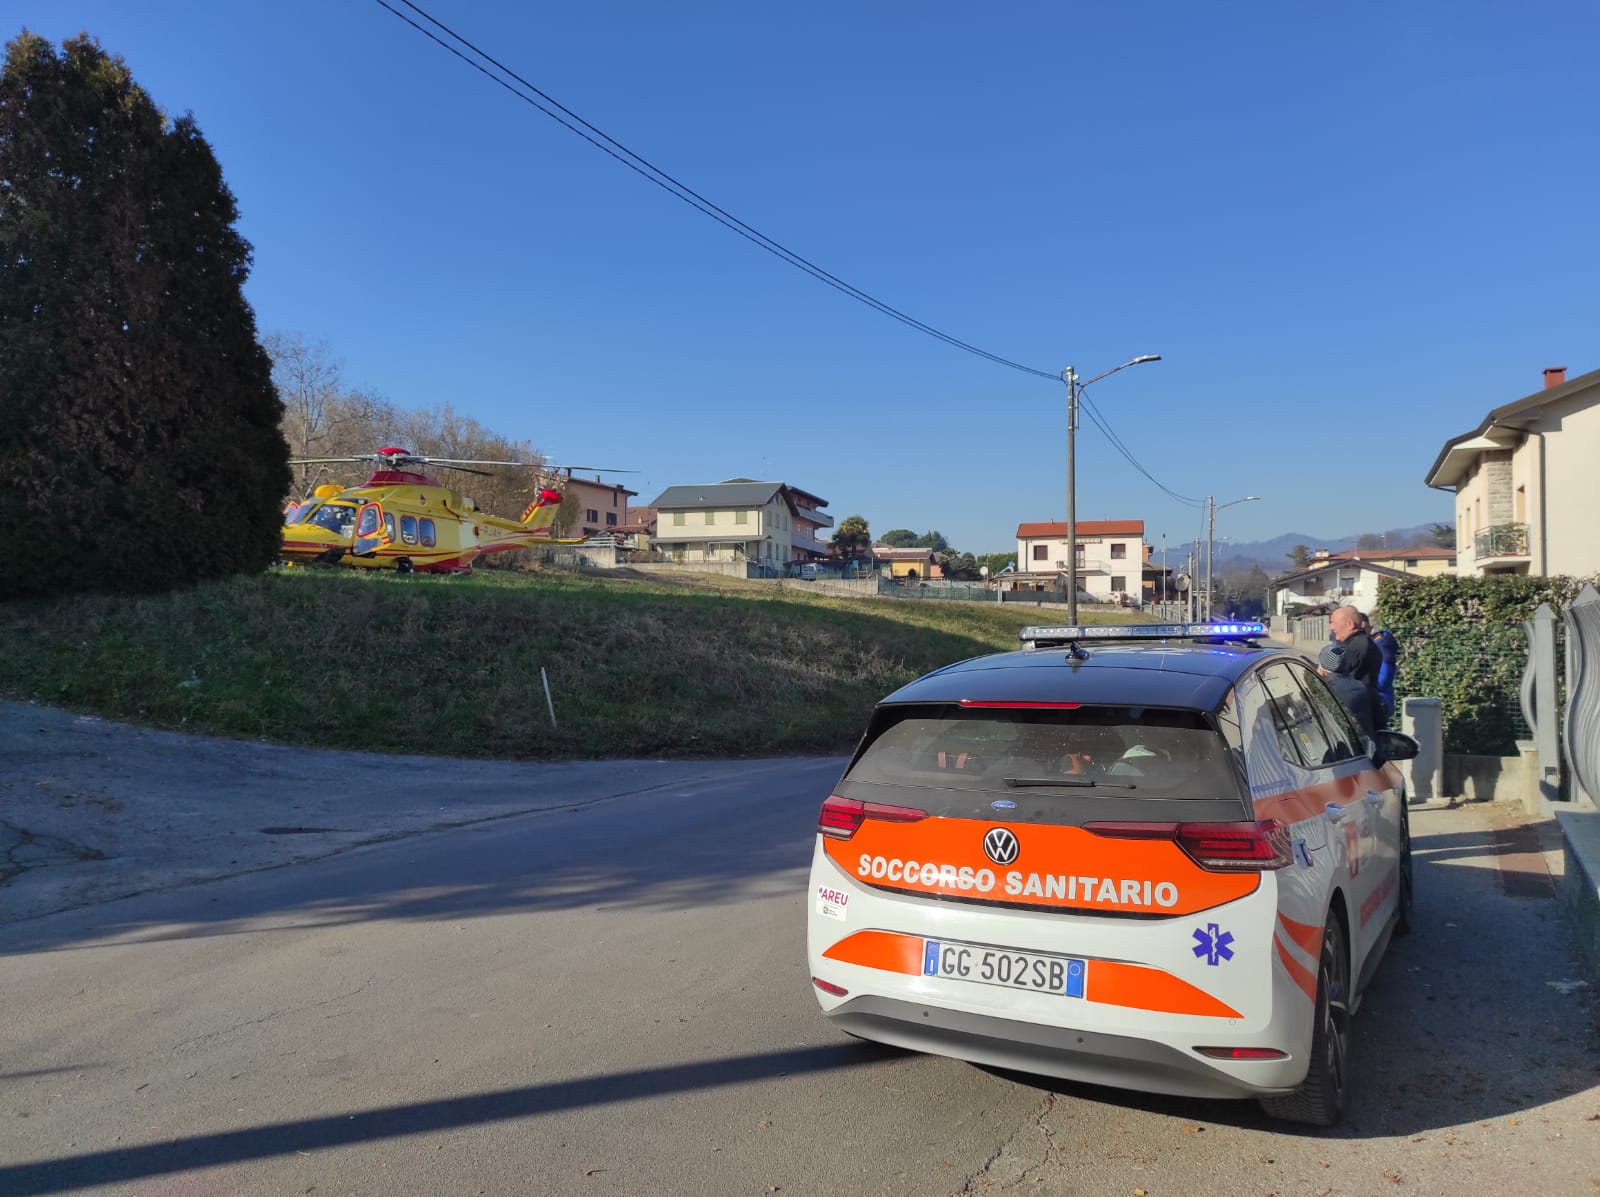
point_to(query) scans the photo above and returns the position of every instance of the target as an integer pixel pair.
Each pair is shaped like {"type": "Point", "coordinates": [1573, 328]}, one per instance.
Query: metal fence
{"type": "Point", "coordinates": [936, 588]}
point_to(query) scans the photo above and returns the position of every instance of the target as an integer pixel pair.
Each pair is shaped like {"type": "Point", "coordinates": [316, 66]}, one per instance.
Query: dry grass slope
{"type": "Point", "coordinates": [638, 666]}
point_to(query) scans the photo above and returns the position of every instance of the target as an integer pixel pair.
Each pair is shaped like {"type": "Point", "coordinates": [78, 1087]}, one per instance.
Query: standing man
{"type": "Point", "coordinates": [1364, 661]}
{"type": "Point", "coordinates": [1333, 663]}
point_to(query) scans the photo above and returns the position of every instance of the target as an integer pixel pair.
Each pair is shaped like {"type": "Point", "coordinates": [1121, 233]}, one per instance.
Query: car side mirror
{"type": "Point", "coordinates": [1396, 746]}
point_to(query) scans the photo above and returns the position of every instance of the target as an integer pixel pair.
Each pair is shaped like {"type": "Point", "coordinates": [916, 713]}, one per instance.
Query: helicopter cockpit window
{"type": "Point", "coordinates": [336, 517]}
{"type": "Point", "coordinates": [369, 521]}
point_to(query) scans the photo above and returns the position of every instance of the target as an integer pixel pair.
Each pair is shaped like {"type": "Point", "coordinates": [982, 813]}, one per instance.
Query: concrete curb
{"type": "Point", "coordinates": [1580, 882]}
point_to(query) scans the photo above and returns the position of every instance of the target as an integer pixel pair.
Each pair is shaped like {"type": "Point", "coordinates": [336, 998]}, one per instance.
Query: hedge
{"type": "Point", "coordinates": [1461, 641]}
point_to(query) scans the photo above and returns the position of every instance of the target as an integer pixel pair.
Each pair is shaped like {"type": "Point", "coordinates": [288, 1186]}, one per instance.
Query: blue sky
{"type": "Point", "coordinates": [1349, 230]}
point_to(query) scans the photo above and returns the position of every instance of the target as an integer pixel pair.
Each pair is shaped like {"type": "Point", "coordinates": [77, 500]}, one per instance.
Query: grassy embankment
{"type": "Point", "coordinates": [638, 666]}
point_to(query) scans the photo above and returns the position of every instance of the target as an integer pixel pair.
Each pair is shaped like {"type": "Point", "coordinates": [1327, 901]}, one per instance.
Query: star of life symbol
{"type": "Point", "coordinates": [1212, 943]}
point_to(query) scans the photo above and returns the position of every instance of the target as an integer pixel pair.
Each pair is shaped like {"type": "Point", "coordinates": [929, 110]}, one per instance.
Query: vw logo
{"type": "Point", "coordinates": [1000, 846]}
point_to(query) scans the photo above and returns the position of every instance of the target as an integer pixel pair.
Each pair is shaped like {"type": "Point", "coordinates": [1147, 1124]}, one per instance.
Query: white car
{"type": "Point", "coordinates": [1155, 857]}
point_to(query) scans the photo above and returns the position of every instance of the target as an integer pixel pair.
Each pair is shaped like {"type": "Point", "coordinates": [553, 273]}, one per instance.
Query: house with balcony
{"type": "Point", "coordinates": [768, 524]}
{"type": "Point", "coordinates": [1111, 556]}
{"type": "Point", "coordinates": [1526, 501]}
{"type": "Point", "coordinates": [1334, 580]}
{"type": "Point", "coordinates": [602, 507]}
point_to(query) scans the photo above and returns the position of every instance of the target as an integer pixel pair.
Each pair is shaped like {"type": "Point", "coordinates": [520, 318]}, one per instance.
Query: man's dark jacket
{"type": "Point", "coordinates": [1365, 657]}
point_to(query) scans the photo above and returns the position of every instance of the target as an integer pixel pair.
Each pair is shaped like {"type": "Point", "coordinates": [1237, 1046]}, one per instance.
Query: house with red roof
{"type": "Point", "coordinates": [1112, 556]}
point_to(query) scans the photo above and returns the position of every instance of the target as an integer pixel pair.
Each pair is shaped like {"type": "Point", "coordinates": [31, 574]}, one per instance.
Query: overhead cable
{"type": "Point", "coordinates": [476, 57]}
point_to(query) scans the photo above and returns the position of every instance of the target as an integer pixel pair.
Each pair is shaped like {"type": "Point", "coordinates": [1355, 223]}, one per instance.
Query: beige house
{"type": "Point", "coordinates": [771, 523]}
{"type": "Point", "coordinates": [1111, 556]}
{"type": "Point", "coordinates": [1524, 481]}
{"type": "Point", "coordinates": [1418, 562]}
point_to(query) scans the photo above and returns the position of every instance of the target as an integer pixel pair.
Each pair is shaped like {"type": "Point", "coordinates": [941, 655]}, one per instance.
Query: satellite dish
{"type": "Point", "coordinates": [1183, 582]}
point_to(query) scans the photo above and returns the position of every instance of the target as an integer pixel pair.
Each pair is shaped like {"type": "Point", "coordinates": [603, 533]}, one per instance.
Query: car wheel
{"type": "Point", "coordinates": [1402, 917]}
{"type": "Point", "coordinates": [1320, 1099]}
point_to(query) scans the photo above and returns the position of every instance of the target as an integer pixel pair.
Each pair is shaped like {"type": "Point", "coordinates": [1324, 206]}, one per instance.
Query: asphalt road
{"type": "Point", "coordinates": [607, 994]}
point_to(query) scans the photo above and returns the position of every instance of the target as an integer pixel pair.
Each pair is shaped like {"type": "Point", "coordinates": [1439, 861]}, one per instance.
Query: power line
{"type": "Point", "coordinates": [641, 166]}
{"type": "Point", "coordinates": [1116, 443]}
{"type": "Point", "coordinates": [682, 191]}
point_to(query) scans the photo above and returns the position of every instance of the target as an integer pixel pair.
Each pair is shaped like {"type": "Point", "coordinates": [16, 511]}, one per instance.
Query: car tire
{"type": "Point", "coordinates": [1402, 914]}
{"type": "Point", "coordinates": [1321, 1098]}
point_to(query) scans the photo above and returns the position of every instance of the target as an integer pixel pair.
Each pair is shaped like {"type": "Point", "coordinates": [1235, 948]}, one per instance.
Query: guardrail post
{"type": "Point", "coordinates": [1422, 720]}
{"type": "Point", "coordinates": [1581, 733]}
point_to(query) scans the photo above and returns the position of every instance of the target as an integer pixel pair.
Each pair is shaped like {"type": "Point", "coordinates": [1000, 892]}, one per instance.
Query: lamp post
{"type": "Point", "coordinates": [1212, 507]}
{"type": "Point", "coordinates": [1075, 389]}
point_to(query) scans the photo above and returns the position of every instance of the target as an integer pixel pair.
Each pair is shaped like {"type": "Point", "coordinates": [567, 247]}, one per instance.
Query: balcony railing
{"type": "Point", "coordinates": [1501, 540]}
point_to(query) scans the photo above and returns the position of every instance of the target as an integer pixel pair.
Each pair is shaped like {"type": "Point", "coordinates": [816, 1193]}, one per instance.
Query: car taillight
{"type": "Point", "coordinates": [1237, 847]}
{"type": "Point", "coordinates": [1243, 1053]}
{"type": "Point", "coordinates": [839, 990]}
{"type": "Point", "coordinates": [1216, 847]}
{"type": "Point", "coordinates": [840, 818]}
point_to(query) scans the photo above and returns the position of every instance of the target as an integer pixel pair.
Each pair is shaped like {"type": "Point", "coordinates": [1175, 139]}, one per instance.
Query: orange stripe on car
{"type": "Point", "coordinates": [1294, 805]}
{"type": "Point", "coordinates": [1113, 983]}
{"type": "Point", "coordinates": [887, 950]}
{"type": "Point", "coordinates": [1298, 973]}
{"type": "Point", "coordinates": [1308, 937]}
{"type": "Point", "coordinates": [1057, 867]}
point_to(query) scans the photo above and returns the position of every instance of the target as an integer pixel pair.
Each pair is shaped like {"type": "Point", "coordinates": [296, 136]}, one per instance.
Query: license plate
{"type": "Point", "coordinates": [1006, 967]}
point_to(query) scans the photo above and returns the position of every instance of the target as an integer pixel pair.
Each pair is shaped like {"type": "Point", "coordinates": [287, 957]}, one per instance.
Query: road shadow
{"type": "Point", "coordinates": [303, 1135]}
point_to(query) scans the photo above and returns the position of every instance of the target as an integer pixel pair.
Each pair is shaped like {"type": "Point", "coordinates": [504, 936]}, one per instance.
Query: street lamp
{"type": "Point", "coordinates": [1074, 389]}
{"type": "Point", "coordinates": [1212, 507]}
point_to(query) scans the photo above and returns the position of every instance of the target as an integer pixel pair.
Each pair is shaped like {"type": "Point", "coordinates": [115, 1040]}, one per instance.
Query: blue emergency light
{"type": "Point", "coordinates": [1036, 633]}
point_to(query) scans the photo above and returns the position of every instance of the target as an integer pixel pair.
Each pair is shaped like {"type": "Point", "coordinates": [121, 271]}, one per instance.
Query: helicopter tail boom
{"type": "Point", "coordinates": [541, 513]}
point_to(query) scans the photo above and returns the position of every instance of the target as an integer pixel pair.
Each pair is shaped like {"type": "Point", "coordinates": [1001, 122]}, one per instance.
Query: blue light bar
{"type": "Point", "coordinates": [1141, 631]}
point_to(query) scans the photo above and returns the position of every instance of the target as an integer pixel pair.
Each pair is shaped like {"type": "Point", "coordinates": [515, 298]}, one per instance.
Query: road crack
{"type": "Point", "coordinates": [1013, 1162]}
{"type": "Point", "coordinates": [270, 1016]}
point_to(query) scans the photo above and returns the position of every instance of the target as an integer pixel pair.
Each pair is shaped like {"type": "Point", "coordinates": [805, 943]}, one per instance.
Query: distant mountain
{"type": "Point", "coordinates": [1273, 555]}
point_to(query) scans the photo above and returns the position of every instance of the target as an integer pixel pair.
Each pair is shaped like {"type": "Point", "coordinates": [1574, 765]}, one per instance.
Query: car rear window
{"type": "Point", "coordinates": [1088, 751]}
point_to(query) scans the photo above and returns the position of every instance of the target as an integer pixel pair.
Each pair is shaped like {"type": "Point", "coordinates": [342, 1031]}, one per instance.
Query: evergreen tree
{"type": "Point", "coordinates": [139, 428]}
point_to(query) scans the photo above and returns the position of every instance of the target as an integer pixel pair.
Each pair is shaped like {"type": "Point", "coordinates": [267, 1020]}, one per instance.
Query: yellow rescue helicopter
{"type": "Point", "coordinates": [401, 519]}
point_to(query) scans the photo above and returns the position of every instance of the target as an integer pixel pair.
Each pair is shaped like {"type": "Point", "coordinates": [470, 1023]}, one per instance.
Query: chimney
{"type": "Point", "coordinates": [1554, 376]}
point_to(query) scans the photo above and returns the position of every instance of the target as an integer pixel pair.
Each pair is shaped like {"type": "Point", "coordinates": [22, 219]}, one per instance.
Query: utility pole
{"type": "Point", "coordinates": [1074, 389]}
{"type": "Point", "coordinates": [1211, 529]}
{"type": "Point", "coordinates": [1071, 377]}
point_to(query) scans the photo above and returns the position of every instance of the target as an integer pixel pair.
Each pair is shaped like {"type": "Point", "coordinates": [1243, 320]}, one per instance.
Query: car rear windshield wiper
{"type": "Point", "coordinates": [1080, 782]}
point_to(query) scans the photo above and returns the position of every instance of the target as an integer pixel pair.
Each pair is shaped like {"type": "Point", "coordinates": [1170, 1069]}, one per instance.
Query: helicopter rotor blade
{"type": "Point", "coordinates": [469, 461]}
{"type": "Point", "coordinates": [463, 469]}
{"type": "Point", "coordinates": [592, 468]}
{"type": "Point", "coordinates": [331, 460]}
